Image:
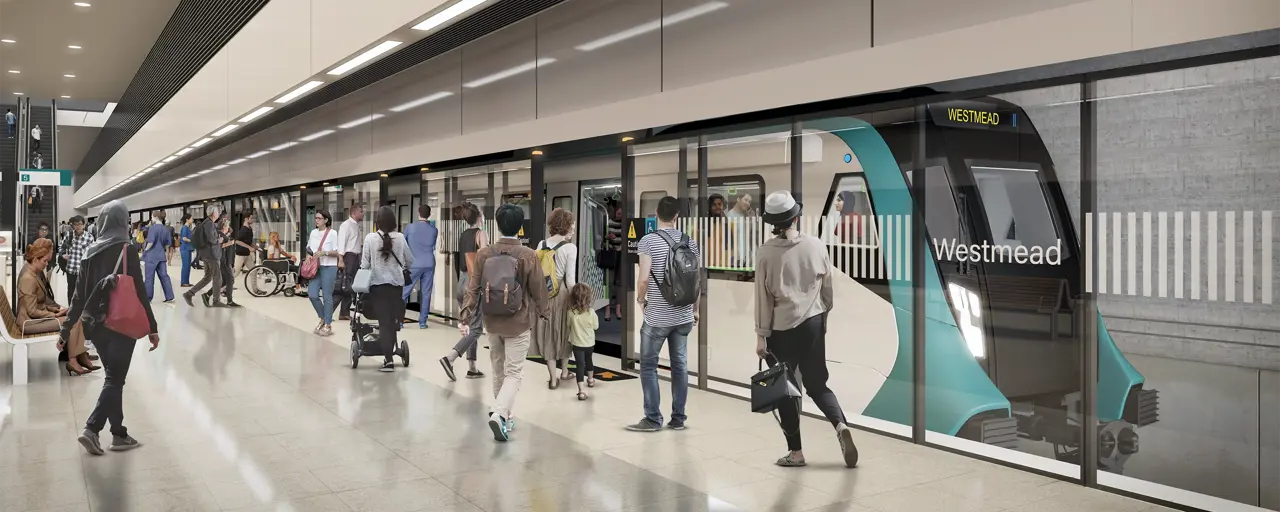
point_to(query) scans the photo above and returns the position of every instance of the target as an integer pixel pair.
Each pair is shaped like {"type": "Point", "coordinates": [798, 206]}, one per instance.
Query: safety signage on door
{"type": "Point", "coordinates": [637, 229]}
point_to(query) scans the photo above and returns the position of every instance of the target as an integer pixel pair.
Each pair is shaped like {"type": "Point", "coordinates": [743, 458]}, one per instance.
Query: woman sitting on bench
{"type": "Point", "coordinates": [39, 314]}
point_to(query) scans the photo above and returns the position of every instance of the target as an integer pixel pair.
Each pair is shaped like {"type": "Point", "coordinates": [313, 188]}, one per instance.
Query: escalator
{"type": "Point", "coordinates": [40, 201]}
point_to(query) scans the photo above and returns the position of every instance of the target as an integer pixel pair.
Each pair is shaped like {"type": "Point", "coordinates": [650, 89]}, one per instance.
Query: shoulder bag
{"type": "Point", "coordinates": [311, 267]}
{"type": "Point", "coordinates": [125, 311]}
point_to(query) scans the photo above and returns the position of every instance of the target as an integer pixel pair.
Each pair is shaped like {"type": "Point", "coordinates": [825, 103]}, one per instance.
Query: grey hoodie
{"type": "Point", "coordinates": [793, 282]}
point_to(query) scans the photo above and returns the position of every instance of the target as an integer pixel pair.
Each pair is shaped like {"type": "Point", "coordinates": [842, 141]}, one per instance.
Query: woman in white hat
{"type": "Point", "coordinates": [793, 296]}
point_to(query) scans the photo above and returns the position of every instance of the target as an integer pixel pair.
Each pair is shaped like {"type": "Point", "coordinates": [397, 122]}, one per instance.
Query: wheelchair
{"type": "Point", "coordinates": [271, 277]}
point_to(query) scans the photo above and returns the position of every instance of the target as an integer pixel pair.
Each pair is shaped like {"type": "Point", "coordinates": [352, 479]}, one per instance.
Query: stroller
{"type": "Point", "coordinates": [364, 336]}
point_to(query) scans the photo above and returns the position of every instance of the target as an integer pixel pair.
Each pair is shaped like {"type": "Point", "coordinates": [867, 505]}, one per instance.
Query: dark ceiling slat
{"type": "Point", "coordinates": [196, 31]}
{"type": "Point", "coordinates": [480, 24]}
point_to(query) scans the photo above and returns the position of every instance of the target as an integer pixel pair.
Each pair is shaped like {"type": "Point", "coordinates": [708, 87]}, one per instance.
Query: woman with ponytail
{"type": "Point", "coordinates": [387, 257]}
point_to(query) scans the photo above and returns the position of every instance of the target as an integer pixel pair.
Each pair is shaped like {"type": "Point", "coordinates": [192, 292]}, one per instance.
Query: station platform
{"type": "Point", "coordinates": [245, 409]}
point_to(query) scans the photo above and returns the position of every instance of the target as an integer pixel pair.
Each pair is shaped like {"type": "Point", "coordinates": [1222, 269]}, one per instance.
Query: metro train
{"type": "Point", "coordinates": [1002, 347]}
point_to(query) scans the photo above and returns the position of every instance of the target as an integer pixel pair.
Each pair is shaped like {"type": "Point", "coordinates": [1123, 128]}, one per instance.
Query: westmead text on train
{"type": "Point", "coordinates": [953, 250]}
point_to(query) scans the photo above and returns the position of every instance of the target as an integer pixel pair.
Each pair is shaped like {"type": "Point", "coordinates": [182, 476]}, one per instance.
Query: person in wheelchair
{"type": "Point", "coordinates": [280, 261]}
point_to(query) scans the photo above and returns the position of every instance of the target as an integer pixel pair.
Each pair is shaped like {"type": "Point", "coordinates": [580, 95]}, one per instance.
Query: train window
{"type": "Point", "coordinates": [942, 214]}
{"type": "Point", "coordinates": [649, 202]}
{"type": "Point", "coordinates": [848, 218]}
{"type": "Point", "coordinates": [1015, 204]}
{"type": "Point", "coordinates": [565, 202]}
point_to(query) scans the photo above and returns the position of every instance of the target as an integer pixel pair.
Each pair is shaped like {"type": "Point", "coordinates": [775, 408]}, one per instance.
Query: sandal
{"type": "Point", "coordinates": [553, 383]}
{"type": "Point", "coordinates": [591, 382]}
{"type": "Point", "coordinates": [790, 462]}
{"type": "Point", "coordinates": [582, 395]}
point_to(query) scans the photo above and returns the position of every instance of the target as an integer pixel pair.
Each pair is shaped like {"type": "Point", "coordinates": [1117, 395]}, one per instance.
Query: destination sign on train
{"type": "Point", "coordinates": [970, 114]}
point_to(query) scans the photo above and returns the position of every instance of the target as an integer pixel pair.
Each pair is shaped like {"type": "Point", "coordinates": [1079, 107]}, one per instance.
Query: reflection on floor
{"type": "Point", "coordinates": [246, 410]}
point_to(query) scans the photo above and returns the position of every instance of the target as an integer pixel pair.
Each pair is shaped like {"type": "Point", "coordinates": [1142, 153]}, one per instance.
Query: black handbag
{"type": "Point", "coordinates": [771, 386]}
{"type": "Point", "coordinates": [607, 259]}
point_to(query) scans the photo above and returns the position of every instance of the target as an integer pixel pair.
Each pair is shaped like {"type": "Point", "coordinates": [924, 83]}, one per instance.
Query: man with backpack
{"type": "Point", "coordinates": [205, 240]}
{"type": "Point", "coordinates": [668, 291]}
{"type": "Point", "coordinates": [510, 290]}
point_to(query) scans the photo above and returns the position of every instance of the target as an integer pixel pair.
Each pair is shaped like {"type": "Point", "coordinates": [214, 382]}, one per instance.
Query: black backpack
{"type": "Point", "coordinates": [683, 281]}
{"type": "Point", "coordinates": [198, 238]}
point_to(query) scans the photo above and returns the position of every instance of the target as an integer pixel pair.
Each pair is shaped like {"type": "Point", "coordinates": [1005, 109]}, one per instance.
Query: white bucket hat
{"type": "Point", "coordinates": [780, 208]}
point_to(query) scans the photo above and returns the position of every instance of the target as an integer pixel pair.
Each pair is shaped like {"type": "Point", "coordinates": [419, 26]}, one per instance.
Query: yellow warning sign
{"type": "Point", "coordinates": [631, 233]}
{"type": "Point", "coordinates": [521, 233]}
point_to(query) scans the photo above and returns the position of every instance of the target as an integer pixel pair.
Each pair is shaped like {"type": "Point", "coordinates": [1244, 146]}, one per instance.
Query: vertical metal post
{"type": "Point", "coordinates": [682, 178]}
{"type": "Point", "coordinates": [489, 207]}
{"type": "Point", "coordinates": [537, 201]}
{"type": "Point", "coordinates": [704, 338]}
{"type": "Point", "coordinates": [627, 261]}
{"type": "Point", "coordinates": [918, 250]}
{"type": "Point", "coordinates": [797, 163]}
{"type": "Point", "coordinates": [384, 193]}
{"type": "Point", "coordinates": [1088, 316]}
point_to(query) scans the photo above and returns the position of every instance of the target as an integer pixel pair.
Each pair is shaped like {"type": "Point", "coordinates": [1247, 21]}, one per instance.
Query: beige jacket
{"type": "Point", "coordinates": [793, 283]}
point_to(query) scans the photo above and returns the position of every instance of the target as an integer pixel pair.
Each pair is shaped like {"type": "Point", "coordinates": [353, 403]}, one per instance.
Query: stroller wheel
{"type": "Point", "coordinates": [355, 354]}
{"type": "Point", "coordinates": [404, 353]}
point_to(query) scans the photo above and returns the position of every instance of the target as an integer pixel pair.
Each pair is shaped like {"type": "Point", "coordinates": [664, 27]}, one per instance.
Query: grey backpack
{"type": "Point", "coordinates": [500, 290]}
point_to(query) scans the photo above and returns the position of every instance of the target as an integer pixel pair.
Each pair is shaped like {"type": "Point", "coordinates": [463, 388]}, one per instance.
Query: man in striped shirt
{"type": "Point", "coordinates": [663, 323]}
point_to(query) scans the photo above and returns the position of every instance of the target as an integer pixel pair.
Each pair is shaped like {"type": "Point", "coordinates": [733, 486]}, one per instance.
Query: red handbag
{"type": "Point", "coordinates": [310, 267]}
{"type": "Point", "coordinates": [125, 312]}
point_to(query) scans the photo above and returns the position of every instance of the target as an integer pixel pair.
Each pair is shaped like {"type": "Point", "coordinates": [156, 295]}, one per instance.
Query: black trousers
{"type": "Point", "coordinates": [582, 356]}
{"type": "Point", "coordinates": [116, 353]}
{"type": "Point", "coordinates": [804, 349]}
{"type": "Point", "coordinates": [350, 264]}
{"type": "Point", "coordinates": [386, 303]}
{"type": "Point", "coordinates": [71, 285]}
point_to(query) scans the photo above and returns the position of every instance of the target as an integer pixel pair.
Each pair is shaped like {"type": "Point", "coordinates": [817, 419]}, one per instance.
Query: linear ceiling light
{"type": "Point", "coordinates": [255, 114]}
{"type": "Point", "coordinates": [225, 130]}
{"type": "Point", "coordinates": [421, 101]}
{"type": "Point", "coordinates": [360, 121]}
{"type": "Point", "coordinates": [508, 73]}
{"type": "Point", "coordinates": [258, 154]}
{"type": "Point", "coordinates": [10, 41]}
{"type": "Point", "coordinates": [651, 26]}
{"type": "Point", "coordinates": [69, 76]}
{"type": "Point", "coordinates": [201, 142]}
{"type": "Point", "coordinates": [83, 4]}
{"type": "Point", "coordinates": [315, 135]}
{"type": "Point", "coordinates": [74, 46]}
{"type": "Point", "coordinates": [285, 145]}
{"type": "Point", "coordinates": [220, 167]}
{"type": "Point", "coordinates": [14, 71]}
{"type": "Point", "coordinates": [302, 89]}
{"type": "Point", "coordinates": [367, 56]}
{"type": "Point", "coordinates": [237, 161]}
{"type": "Point", "coordinates": [448, 14]}
{"type": "Point", "coordinates": [184, 151]}
{"type": "Point", "coordinates": [169, 158]}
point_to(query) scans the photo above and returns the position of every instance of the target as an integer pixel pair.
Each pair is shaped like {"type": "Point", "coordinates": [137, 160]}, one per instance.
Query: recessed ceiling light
{"type": "Point", "coordinates": [17, 94]}
{"type": "Point", "coordinates": [225, 130]}
{"type": "Point", "coordinates": [302, 89]}
{"type": "Point", "coordinates": [184, 151]}
{"type": "Point", "coordinates": [424, 169]}
{"type": "Point", "coordinates": [69, 76]}
{"type": "Point", "coordinates": [10, 41]}
{"type": "Point", "coordinates": [201, 142]}
{"type": "Point", "coordinates": [83, 4]}
{"type": "Point", "coordinates": [453, 11]}
{"type": "Point", "coordinates": [74, 46]}
{"type": "Point", "coordinates": [65, 97]}
{"type": "Point", "coordinates": [14, 71]}
{"type": "Point", "coordinates": [170, 158]}
{"type": "Point", "coordinates": [367, 56]}
{"type": "Point", "coordinates": [255, 114]}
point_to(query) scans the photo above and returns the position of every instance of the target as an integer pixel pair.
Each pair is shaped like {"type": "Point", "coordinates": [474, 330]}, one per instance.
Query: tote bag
{"type": "Point", "coordinates": [771, 386]}
{"type": "Point", "coordinates": [310, 267]}
{"type": "Point", "coordinates": [125, 313]}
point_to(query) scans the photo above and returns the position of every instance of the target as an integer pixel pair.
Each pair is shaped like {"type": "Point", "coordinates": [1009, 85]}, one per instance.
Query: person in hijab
{"type": "Point", "coordinates": [90, 303]}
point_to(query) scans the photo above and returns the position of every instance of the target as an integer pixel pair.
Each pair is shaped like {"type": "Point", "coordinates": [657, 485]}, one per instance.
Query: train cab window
{"type": "Point", "coordinates": [649, 202]}
{"type": "Point", "coordinates": [847, 218]}
{"type": "Point", "coordinates": [943, 215]}
{"type": "Point", "coordinates": [1015, 205]}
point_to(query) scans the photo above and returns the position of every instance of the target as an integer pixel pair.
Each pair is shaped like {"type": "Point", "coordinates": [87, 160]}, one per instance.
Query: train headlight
{"type": "Point", "coordinates": [968, 308]}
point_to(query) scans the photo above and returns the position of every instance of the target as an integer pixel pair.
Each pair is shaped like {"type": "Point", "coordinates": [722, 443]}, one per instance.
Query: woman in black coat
{"type": "Point", "coordinates": [90, 303]}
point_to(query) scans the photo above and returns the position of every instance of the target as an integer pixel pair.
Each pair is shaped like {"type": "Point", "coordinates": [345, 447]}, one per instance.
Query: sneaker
{"type": "Point", "coordinates": [232, 304]}
{"type": "Point", "coordinates": [204, 297]}
{"type": "Point", "coordinates": [168, 301]}
{"type": "Point", "coordinates": [123, 443]}
{"type": "Point", "coordinates": [448, 368]}
{"type": "Point", "coordinates": [422, 326]}
{"type": "Point", "coordinates": [645, 425]}
{"type": "Point", "coordinates": [217, 305]}
{"type": "Point", "coordinates": [498, 425]}
{"type": "Point", "coordinates": [187, 298]}
{"type": "Point", "coordinates": [511, 424]}
{"type": "Point", "coordinates": [388, 367]}
{"type": "Point", "coordinates": [675, 424]}
{"type": "Point", "coordinates": [474, 374]}
{"type": "Point", "coordinates": [89, 440]}
{"type": "Point", "coordinates": [845, 435]}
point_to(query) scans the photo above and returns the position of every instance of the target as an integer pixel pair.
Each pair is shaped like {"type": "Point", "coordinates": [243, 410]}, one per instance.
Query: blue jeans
{"type": "Point", "coordinates": [186, 267]}
{"type": "Point", "coordinates": [425, 278]}
{"type": "Point", "coordinates": [651, 340]}
{"type": "Point", "coordinates": [320, 290]}
{"type": "Point", "coordinates": [151, 269]}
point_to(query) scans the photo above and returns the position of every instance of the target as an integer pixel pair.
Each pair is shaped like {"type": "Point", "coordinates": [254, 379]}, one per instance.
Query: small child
{"type": "Point", "coordinates": [582, 334]}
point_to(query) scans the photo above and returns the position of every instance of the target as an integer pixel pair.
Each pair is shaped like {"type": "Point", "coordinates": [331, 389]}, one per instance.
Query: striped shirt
{"type": "Point", "coordinates": [657, 311]}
